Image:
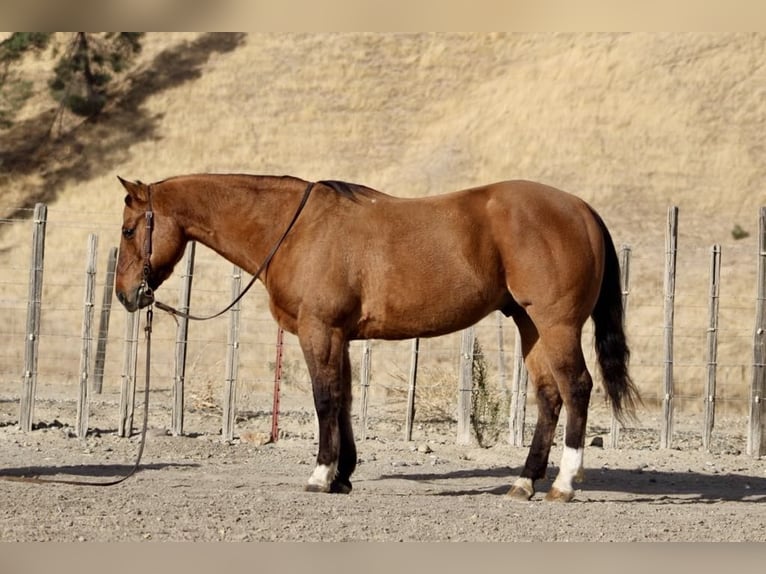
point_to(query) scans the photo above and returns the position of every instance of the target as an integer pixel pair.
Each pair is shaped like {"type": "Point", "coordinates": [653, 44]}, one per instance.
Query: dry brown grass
{"type": "Point", "coordinates": [631, 122]}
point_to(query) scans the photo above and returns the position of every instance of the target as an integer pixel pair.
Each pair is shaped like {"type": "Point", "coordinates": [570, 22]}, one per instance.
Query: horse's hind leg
{"type": "Point", "coordinates": [556, 365]}
{"type": "Point", "coordinates": [566, 361]}
{"type": "Point", "coordinates": [548, 408]}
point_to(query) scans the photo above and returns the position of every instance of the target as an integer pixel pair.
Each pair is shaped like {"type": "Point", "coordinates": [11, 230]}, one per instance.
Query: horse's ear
{"type": "Point", "coordinates": [136, 190]}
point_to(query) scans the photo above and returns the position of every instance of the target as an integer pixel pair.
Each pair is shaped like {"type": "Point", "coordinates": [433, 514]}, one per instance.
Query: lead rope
{"type": "Point", "coordinates": [175, 312]}
{"type": "Point", "coordinates": [144, 426]}
{"type": "Point", "coordinates": [148, 334]}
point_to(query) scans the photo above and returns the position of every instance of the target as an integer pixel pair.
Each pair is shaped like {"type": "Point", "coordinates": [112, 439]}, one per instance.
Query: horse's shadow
{"type": "Point", "coordinates": [636, 486]}
{"type": "Point", "coordinates": [674, 486]}
{"type": "Point", "coordinates": [86, 470]}
{"type": "Point", "coordinates": [502, 473]}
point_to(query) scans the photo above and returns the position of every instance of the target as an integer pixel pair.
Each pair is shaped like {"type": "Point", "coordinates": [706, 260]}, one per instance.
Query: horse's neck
{"type": "Point", "coordinates": [240, 219]}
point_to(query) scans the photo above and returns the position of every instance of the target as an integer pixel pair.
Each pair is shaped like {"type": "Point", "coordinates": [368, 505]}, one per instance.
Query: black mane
{"type": "Point", "coordinates": [346, 189]}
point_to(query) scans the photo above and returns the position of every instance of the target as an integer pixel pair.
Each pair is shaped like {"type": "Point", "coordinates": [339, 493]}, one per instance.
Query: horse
{"type": "Point", "coordinates": [343, 262]}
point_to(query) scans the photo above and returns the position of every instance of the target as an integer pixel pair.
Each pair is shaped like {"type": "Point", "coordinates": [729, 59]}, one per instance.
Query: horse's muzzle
{"type": "Point", "coordinates": [143, 296]}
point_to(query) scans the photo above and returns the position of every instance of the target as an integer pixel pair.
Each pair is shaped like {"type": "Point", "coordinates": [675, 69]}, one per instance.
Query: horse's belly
{"type": "Point", "coordinates": [427, 317]}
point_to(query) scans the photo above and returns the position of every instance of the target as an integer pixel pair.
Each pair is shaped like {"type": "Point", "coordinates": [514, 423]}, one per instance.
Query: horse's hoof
{"type": "Point", "coordinates": [520, 494]}
{"type": "Point", "coordinates": [340, 487]}
{"type": "Point", "coordinates": [316, 488]}
{"type": "Point", "coordinates": [556, 495]}
{"type": "Point", "coordinates": [522, 490]}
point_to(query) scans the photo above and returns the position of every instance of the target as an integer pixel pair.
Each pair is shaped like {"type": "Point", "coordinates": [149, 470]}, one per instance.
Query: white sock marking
{"type": "Point", "coordinates": [323, 475]}
{"type": "Point", "coordinates": [571, 467]}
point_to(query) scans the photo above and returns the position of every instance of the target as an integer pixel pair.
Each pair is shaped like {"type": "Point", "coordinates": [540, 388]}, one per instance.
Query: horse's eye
{"type": "Point", "coordinates": [128, 233]}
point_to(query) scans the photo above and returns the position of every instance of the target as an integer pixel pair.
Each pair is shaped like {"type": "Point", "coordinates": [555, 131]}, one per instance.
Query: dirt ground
{"type": "Point", "coordinates": [196, 488]}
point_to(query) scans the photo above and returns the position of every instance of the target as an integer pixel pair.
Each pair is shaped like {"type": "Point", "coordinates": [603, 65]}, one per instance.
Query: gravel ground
{"type": "Point", "coordinates": [197, 488]}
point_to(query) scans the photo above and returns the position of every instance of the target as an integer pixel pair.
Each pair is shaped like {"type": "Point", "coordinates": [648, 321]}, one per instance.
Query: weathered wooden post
{"type": "Point", "coordinates": [625, 253]}
{"type": "Point", "coordinates": [232, 360]}
{"type": "Point", "coordinates": [756, 446]}
{"type": "Point", "coordinates": [415, 350]}
{"type": "Point", "coordinates": [502, 378]}
{"type": "Point", "coordinates": [465, 386]}
{"type": "Point", "coordinates": [712, 345]}
{"type": "Point", "coordinates": [277, 385]}
{"type": "Point", "coordinates": [364, 382]}
{"type": "Point", "coordinates": [87, 337]}
{"type": "Point", "coordinates": [182, 344]}
{"type": "Point", "coordinates": [34, 303]}
{"type": "Point", "coordinates": [128, 385]}
{"type": "Point", "coordinates": [518, 395]}
{"type": "Point", "coordinates": [103, 325]}
{"type": "Point", "coordinates": [671, 250]}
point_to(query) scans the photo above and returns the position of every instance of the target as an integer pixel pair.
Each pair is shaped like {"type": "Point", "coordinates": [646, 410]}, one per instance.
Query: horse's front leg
{"type": "Point", "coordinates": [347, 455]}
{"type": "Point", "coordinates": [326, 353]}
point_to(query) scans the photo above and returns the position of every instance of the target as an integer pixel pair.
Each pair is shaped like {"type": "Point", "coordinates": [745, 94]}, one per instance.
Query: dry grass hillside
{"type": "Point", "coordinates": [633, 123]}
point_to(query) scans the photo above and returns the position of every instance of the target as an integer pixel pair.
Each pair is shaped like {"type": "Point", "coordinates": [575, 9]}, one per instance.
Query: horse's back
{"type": "Point", "coordinates": [443, 262]}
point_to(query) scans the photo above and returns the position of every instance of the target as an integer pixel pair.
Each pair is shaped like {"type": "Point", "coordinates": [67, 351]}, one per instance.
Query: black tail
{"type": "Point", "coordinates": [611, 347]}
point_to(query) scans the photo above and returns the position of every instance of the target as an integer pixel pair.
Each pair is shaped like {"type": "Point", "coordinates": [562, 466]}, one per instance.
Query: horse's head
{"type": "Point", "coordinates": [152, 243]}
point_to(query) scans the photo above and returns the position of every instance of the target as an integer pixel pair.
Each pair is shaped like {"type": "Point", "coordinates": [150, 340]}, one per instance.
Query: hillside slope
{"type": "Point", "coordinates": [631, 122]}
{"type": "Point", "coordinates": [639, 120]}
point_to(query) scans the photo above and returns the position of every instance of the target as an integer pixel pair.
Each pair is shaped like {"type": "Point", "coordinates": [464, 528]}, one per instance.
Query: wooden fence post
{"type": "Point", "coordinates": [364, 377]}
{"type": "Point", "coordinates": [712, 345]}
{"type": "Point", "coordinates": [87, 336]}
{"type": "Point", "coordinates": [277, 385]}
{"type": "Point", "coordinates": [671, 250]}
{"type": "Point", "coordinates": [756, 446]}
{"type": "Point", "coordinates": [411, 389]}
{"type": "Point", "coordinates": [182, 344]}
{"type": "Point", "coordinates": [232, 360]}
{"type": "Point", "coordinates": [465, 386]}
{"type": "Point", "coordinates": [518, 395]}
{"type": "Point", "coordinates": [625, 253]}
{"type": "Point", "coordinates": [103, 325]}
{"type": "Point", "coordinates": [34, 301]}
{"type": "Point", "coordinates": [503, 379]}
{"type": "Point", "coordinates": [128, 385]}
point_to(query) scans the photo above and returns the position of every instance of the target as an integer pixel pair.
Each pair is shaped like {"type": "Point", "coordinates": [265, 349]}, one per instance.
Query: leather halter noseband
{"type": "Point", "coordinates": [146, 289]}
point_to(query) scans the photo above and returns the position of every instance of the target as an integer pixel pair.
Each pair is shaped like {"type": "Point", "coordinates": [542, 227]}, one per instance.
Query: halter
{"type": "Point", "coordinates": [144, 287]}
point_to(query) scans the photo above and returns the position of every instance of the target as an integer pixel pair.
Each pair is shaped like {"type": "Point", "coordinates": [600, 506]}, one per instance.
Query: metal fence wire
{"type": "Point", "coordinates": [697, 342]}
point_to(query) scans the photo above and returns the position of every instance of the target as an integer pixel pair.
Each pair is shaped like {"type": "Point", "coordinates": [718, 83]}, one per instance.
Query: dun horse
{"type": "Point", "coordinates": [343, 262]}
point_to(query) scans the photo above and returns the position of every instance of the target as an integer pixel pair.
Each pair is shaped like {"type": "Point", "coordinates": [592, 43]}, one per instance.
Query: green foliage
{"type": "Point", "coordinates": [14, 91]}
{"type": "Point", "coordinates": [19, 43]}
{"type": "Point", "coordinates": [738, 232]}
{"type": "Point", "coordinates": [81, 77]}
{"type": "Point", "coordinates": [12, 97]}
{"type": "Point", "coordinates": [486, 404]}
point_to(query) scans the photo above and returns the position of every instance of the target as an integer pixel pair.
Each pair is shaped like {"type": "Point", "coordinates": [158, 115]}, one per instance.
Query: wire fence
{"type": "Point", "coordinates": [388, 386]}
